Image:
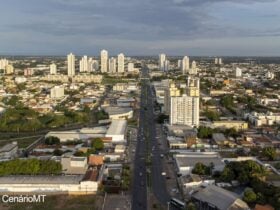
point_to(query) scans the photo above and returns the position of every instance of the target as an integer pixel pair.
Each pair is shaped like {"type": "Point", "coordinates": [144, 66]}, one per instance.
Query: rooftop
{"type": "Point", "coordinates": [8, 147]}
{"type": "Point", "coordinates": [117, 127]}
{"type": "Point", "coordinates": [222, 199]}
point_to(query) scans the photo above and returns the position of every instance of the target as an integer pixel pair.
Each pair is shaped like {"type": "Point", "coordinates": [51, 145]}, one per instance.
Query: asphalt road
{"type": "Point", "coordinates": [147, 149]}
{"type": "Point", "coordinates": [139, 188]}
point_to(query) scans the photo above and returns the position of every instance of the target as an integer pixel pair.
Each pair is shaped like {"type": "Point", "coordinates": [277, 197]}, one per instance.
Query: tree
{"type": "Point", "coordinates": [52, 140]}
{"type": "Point", "coordinates": [201, 169]}
{"type": "Point", "coordinates": [57, 152]}
{"type": "Point", "coordinates": [191, 206]}
{"type": "Point", "coordinates": [204, 132]}
{"type": "Point", "coordinates": [97, 144]}
{"type": "Point", "coordinates": [227, 175]}
{"type": "Point", "coordinates": [249, 196]}
{"type": "Point", "coordinates": [269, 153]}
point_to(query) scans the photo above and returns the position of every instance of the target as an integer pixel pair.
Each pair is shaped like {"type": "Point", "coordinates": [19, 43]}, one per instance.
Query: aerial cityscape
{"type": "Point", "coordinates": [163, 105]}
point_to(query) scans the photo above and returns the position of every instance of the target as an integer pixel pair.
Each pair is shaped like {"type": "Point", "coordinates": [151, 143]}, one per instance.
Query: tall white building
{"type": "Point", "coordinates": [84, 64]}
{"type": "Point", "coordinates": [162, 58]}
{"type": "Point", "coordinates": [185, 65]}
{"type": "Point", "coordinates": [193, 69]}
{"type": "Point", "coordinates": [112, 65]}
{"type": "Point", "coordinates": [104, 61]}
{"type": "Point", "coordinates": [179, 64]}
{"type": "Point", "coordinates": [57, 92]}
{"type": "Point", "coordinates": [166, 65]}
{"type": "Point", "coordinates": [93, 65]}
{"type": "Point", "coordinates": [184, 110]}
{"type": "Point", "coordinates": [121, 63]}
{"type": "Point", "coordinates": [53, 68]}
{"type": "Point", "coordinates": [238, 72]}
{"type": "Point", "coordinates": [218, 61]}
{"type": "Point", "coordinates": [130, 67]}
{"type": "Point", "coordinates": [3, 63]}
{"type": "Point", "coordinates": [71, 64]}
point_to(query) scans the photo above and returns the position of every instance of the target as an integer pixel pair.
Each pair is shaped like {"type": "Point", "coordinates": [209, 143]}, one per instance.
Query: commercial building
{"type": "Point", "coordinates": [53, 69]}
{"type": "Point", "coordinates": [117, 131]}
{"type": "Point", "coordinates": [212, 197]}
{"type": "Point", "coordinates": [116, 113]}
{"type": "Point", "coordinates": [237, 125]}
{"type": "Point", "coordinates": [186, 162]}
{"type": "Point", "coordinates": [104, 61]}
{"type": "Point", "coordinates": [71, 64]}
{"type": "Point", "coordinates": [81, 134]}
{"type": "Point", "coordinates": [121, 63]}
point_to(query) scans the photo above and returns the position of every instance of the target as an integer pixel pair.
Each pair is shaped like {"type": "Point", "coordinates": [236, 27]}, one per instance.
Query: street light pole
{"type": "Point", "coordinates": [168, 203]}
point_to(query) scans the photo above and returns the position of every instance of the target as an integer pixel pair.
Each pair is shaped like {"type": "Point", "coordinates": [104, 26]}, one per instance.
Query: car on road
{"type": "Point", "coordinates": [163, 173]}
{"type": "Point", "coordinates": [140, 174]}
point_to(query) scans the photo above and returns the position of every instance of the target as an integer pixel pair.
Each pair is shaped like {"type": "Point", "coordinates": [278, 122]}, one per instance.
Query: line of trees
{"type": "Point", "coordinates": [30, 167]}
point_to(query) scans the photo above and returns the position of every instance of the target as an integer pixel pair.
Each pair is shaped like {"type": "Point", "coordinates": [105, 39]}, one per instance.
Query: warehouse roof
{"type": "Point", "coordinates": [117, 127]}
{"type": "Point", "coordinates": [219, 197]}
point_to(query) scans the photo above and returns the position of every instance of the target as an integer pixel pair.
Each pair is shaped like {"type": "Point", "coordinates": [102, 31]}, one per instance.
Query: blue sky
{"type": "Point", "coordinates": [140, 27]}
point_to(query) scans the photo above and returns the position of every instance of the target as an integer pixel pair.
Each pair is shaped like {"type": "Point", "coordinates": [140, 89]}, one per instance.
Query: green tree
{"type": "Point", "coordinates": [204, 132]}
{"type": "Point", "coordinates": [269, 153]}
{"type": "Point", "coordinates": [52, 140]}
{"type": "Point", "coordinates": [249, 196]}
{"type": "Point", "coordinates": [191, 206]}
{"type": "Point", "coordinates": [97, 144]}
{"type": "Point", "coordinates": [201, 169]}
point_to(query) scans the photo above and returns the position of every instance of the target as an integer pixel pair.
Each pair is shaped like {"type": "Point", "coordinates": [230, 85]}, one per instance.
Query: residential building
{"type": "Point", "coordinates": [112, 65]}
{"type": "Point", "coordinates": [185, 65]}
{"type": "Point", "coordinates": [84, 64]}
{"type": "Point", "coordinates": [162, 58]}
{"type": "Point", "coordinates": [121, 63]}
{"type": "Point", "coordinates": [9, 69]}
{"type": "Point", "coordinates": [238, 72]}
{"type": "Point", "coordinates": [184, 110]}
{"type": "Point", "coordinates": [104, 61]}
{"type": "Point", "coordinates": [53, 69]}
{"type": "Point", "coordinates": [71, 64]}
{"type": "Point", "coordinates": [57, 92]}
{"type": "Point", "coordinates": [193, 87]}
{"type": "Point", "coordinates": [130, 67]}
